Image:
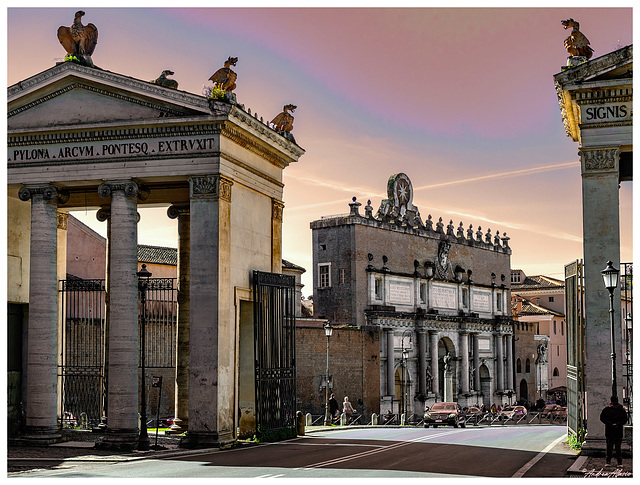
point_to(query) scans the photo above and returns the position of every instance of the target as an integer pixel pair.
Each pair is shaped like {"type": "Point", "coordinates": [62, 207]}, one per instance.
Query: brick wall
{"type": "Point", "coordinates": [354, 362]}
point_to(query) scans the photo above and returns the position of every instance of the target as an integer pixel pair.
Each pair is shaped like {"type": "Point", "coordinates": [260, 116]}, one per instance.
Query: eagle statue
{"type": "Point", "coordinates": [284, 121]}
{"type": "Point", "coordinates": [225, 77]}
{"type": "Point", "coordinates": [163, 81]}
{"type": "Point", "coordinates": [577, 43]}
{"type": "Point", "coordinates": [79, 40]}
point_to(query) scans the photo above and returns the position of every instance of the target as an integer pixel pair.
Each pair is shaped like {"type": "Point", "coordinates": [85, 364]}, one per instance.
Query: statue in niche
{"type": "Point", "coordinates": [225, 78]}
{"type": "Point", "coordinates": [447, 361]}
{"type": "Point", "coordinates": [79, 40]}
{"type": "Point", "coordinates": [577, 43]}
{"type": "Point", "coordinates": [429, 378]}
{"type": "Point", "coordinates": [542, 353]}
{"type": "Point", "coordinates": [163, 81]}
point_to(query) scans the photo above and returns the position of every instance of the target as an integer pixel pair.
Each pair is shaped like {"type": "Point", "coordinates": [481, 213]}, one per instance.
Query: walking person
{"type": "Point", "coordinates": [333, 406]}
{"type": "Point", "coordinates": [347, 409]}
{"type": "Point", "coordinates": [614, 417]}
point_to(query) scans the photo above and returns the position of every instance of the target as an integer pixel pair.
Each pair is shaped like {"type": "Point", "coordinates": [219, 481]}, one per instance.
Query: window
{"type": "Point", "coordinates": [558, 347]}
{"type": "Point", "coordinates": [519, 366]}
{"type": "Point", "coordinates": [423, 293]}
{"type": "Point", "coordinates": [499, 302]}
{"type": "Point", "coordinates": [323, 247]}
{"type": "Point", "coordinates": [556, 372]}
{"type": "Point", "coordinates": [562, 327]}
{"type": "Point", "coordinates": [324, 275]}
{"type": "Point", "coordinates": [343, 277]}
{"type": "Point", "coordinates": [554, 327]}
{"type": "Point", "coordinates": [527, 366]}
{"type": "Point", "coordinates": [551, 299]}
{"type": "Point", "coordinates": [465, 297]}
{"type": "Point", "coordinates": [378, 288]}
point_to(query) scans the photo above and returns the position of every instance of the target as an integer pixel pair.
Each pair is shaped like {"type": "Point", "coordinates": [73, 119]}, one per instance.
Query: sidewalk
{"type": "Point", "coordinates": [595, 466]}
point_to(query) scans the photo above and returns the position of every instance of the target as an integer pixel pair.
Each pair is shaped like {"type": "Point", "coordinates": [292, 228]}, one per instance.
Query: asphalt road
{"type": "Point", "coordinates": [532, 451]}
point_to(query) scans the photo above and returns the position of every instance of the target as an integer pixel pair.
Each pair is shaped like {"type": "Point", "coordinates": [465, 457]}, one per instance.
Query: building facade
{"type": "Point", "coordinates": [437, 296]}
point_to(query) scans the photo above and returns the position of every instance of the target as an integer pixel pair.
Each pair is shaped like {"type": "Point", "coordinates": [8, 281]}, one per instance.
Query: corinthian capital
{"type": "Point", "coordinates": [210, 187]}
{"type": "Point", "coordinates": [600, 159]}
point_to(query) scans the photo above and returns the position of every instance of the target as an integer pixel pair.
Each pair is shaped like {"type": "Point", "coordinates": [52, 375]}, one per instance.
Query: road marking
{"type": "Point", "coordinates": [271, 475]}
{"type": "Point", "coordinates": [335, 461]}
{"type": "Point", "coordinates": [520, 473]}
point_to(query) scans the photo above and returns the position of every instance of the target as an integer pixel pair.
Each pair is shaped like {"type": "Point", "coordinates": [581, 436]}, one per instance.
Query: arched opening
{"type": "Point", "coordinates": [485, 385]}
{"type": "Point", "coordinates": [556, 372]}
{"type": "Point", "coordinates": [447, 387]}
{"type": "Point", "coordinates": [524, 390]}
{"type": "Point", "coordinates": [527, 366]}
{"type": "Point", "coordinates": [519, 366]}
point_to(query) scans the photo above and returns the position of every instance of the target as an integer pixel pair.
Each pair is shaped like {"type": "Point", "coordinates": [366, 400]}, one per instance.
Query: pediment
{"type": "Point", "coordinates": [69, 94]}
{"type": "Point", "coordinates": [607, 69]}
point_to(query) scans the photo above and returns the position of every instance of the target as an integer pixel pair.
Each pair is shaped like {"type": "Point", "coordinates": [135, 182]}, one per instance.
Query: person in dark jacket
{"type": "Point", "coordinates": [614, 417]}
{"type": "Point", "coordinates": [333, 406]}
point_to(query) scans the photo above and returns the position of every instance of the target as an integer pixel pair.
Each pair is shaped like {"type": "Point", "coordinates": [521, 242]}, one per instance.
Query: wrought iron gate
{"type": "Point", "coordinates": [574, 304]}
{"type": "Point", "coordinates": [275, 352]}
{"type": "Point", "coordinates": [83, 380]}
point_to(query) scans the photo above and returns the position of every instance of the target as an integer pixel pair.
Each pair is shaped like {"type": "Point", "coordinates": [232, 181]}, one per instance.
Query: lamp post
{"type": "Point", "coordinates": [610, 277]}
{"type": "Point", "coordinates": [143, 284]}
{"type": "Point", "coordinates": [327, 415]}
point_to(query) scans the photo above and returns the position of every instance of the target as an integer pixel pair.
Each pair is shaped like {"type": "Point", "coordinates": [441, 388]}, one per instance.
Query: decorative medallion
{"type": "Point", "coordinates": [443, 265]}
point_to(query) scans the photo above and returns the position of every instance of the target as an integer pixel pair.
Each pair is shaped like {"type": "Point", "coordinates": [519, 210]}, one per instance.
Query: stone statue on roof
{"type": "Point", "coordinates": [225, 77]}
{"type": "Point", "coordinates": [577, 44]}
{"type": "Point", "coordinates": [79, 40]}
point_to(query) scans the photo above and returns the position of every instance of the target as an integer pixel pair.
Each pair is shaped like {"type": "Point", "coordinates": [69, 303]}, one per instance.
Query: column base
{"type": "Point", "coordinates": [119, 440]}
{"type": "Point", "coordinates": [179, 426]}
{"type": "Point", "coordinates": [39, 436]}
{"type": "Point", "coordinates": [199, 439]}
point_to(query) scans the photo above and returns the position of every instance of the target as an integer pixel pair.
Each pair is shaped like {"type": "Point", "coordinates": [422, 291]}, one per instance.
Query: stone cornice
{"type": "Point", "coordinates": [182, 97]}
{"type": "Point", "coordinates": [439, 323]}
{"type": "Point", "coordinates": [246, 142]}
{"type": "Point", "coordinates": [595, 67]}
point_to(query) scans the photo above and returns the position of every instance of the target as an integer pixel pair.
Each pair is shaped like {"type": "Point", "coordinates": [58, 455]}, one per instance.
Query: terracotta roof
{"type": "Point", "coordinates": [289, 265]}
{"type": "Point", "coordinates": [530, 308]}
{"type": "Point", "coordinates": [157, 255]}
{"type": "Point", "coordinates": [537, 282]}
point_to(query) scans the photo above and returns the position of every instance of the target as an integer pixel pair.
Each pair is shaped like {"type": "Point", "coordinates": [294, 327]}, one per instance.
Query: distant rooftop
{"type": "Point", "coordinates": [157, 255]}
{"type": "Point", "coordinates": [537, 283]}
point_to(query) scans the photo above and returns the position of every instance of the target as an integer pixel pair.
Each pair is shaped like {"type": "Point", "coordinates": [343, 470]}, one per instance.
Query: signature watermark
{"type": "Point", "coordinates": [610, 473]}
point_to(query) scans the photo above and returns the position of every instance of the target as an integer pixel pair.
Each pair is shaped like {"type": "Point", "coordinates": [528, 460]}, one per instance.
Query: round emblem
{"type": "Point", "coordinates": [402, 191]}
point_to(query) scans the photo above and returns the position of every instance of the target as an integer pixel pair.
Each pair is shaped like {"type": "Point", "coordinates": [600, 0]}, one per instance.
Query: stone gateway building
{"type": "Point", "coordinates": [85, 138]}
{"type": "Point", "coordinates": [436, 295]}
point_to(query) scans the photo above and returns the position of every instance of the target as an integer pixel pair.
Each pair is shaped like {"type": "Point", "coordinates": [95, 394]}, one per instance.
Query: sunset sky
{"type": "Point", "coordinates": [461, 100]}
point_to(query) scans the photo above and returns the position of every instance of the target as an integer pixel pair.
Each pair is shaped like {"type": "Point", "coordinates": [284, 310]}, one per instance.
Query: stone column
{"type": "Point", "coordinates": [391, 376]}
{"type": "Point", "coordinates": [499, 354]}
{"type": "Point", "coordinates": [277, 208]}
{"type": "Point", "coordinates": [476, 363]}
{"type": "Point", "coordinates": [433, 351]}
{"type": "Point", "coordinates": [422, 363]}
{"type": "Point", "coordinates": [103, 214]}
{"type": "Point", "coordinates": [211, 348]}
{"type": "Point", "coordinates": [464, 351]}
{"type": "Point", "coordinates": [124, 351]}
{"type": "Point", "coordinates": [42, 342]}
{"type": "Point", "coordinates": [601, 243]}
{"type": "Point", "coordinates": [509, 371]}
{"type": "Point", "coordinates": [181, 212]}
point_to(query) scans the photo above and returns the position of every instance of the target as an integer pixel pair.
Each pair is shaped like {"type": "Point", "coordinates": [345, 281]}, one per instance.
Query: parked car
{"type": "Point", "coordinates": [442, 413]}
{"type": "Point", "coordinates": [474, 410]}
{"type": "Point", "coordinates": [548, 410]}
{"type": "Point", "coordinates": [560, 412]}
{"type": "Point", "coordinates": [515, 412]}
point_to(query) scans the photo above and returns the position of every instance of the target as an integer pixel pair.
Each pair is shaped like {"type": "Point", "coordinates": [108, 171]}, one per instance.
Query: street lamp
{"type": "Point", "coordinates": [327, 415]}
{"type": "Point", "coordinates": [610, 277]}
{"type": "Point", "coordinates": [143, 284]}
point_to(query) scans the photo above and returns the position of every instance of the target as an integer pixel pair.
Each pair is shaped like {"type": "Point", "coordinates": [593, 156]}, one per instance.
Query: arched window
{"type": "Point", "coordinates": [556, 372]}
{"type": "Point", "coordinates": [519, 366]}
{"type": "Point", "coordinates": [527, 366]}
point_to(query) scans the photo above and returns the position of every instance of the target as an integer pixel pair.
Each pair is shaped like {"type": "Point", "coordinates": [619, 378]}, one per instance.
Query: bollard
{"type": "Point", "coordinates": [309, 419]}
{"type": "Point", "coordinates": [402, 419]}
{"type": "Point", "coordinates": [343, 419]}
{"type": "Point", "coordinates": [300, 423]}
{"type": "Point", "coordinates": [374, 419]}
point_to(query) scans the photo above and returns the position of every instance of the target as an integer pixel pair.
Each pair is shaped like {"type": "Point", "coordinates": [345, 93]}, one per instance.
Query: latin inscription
{"type": "Point", "coordinates": [443, 297]}
{"type": "Point", "coordinates": [108, 150]}
{"type": "Point", "coordinates": [399, 293]}
{"type": "Point", "coordinates": [615, 112]}
{"type": "Point", "coordinates": [481, 302]}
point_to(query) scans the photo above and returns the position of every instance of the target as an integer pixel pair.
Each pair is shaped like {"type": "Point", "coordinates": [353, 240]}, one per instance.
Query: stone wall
{"type": "Point", "coordinates": [354, 356]}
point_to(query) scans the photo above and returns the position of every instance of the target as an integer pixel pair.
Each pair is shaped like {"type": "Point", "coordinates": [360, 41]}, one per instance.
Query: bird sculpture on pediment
{"type": "Point", "coordinates": [225, 77]}
{"type": "Point", "coordinates": [162, 80]}
{"type": "Point", "coordinates": [79, 40]}
{"type": "Point", "coordinates": [577, 43]}
{"type": "Point", "coordinates": [284, 120]}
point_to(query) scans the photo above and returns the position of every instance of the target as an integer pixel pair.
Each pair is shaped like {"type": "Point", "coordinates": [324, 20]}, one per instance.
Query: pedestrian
{"type": "Point", "coordinates": [347, 409]}
{"type": "Point", "coordinates": [614, 417]}
{"type": "Point", "coordinates": [493, 408]}
{"type": "Point", "coordinates": [333, 406]}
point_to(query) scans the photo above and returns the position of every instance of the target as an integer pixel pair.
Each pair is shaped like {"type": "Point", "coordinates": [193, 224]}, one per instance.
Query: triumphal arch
{"type": "Point", "coordinates": [80, 137]}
